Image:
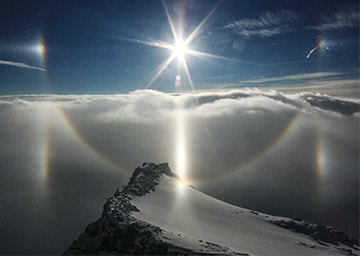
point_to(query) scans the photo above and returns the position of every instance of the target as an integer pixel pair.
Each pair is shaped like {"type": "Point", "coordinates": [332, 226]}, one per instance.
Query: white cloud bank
{"type": "Point", "coordinates": [294, 155]}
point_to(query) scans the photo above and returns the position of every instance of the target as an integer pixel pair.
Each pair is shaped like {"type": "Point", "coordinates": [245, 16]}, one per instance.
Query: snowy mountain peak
{"type": "Point", "coordinates": [150, 216]}
{"type": "Point", "coordinates": [117, 231]}
{"type": "Point", "coordinates": [145, 178]}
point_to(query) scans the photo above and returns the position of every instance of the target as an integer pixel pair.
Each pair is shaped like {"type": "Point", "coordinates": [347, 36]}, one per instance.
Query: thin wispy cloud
{"type": "Point", "coordinates": [340, 20]}
{"type": "Point", "coordinates": [304, 76]}
{"type": "Point", "coordinates": [266, 25]}
{"type": "Point", "coordinates": [20, 65]}
{"type": "Point", "coordinates": [331, 83]}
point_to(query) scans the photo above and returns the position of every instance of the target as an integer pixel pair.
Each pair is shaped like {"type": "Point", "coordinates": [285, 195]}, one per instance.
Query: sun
{"type": "Point", "coordinates": [180, 48]}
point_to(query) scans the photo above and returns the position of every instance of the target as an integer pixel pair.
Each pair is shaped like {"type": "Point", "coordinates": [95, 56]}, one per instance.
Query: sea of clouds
{"type": "Point", "coordinates": [61, 156]}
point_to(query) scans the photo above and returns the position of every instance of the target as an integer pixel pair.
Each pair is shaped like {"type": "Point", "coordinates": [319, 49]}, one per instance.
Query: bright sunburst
{"type": "Point", "coordinates": [179, 49]}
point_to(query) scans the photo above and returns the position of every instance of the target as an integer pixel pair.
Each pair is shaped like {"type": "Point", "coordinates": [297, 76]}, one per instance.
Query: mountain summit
{"type": "Point", "coordinates": [155, 214]}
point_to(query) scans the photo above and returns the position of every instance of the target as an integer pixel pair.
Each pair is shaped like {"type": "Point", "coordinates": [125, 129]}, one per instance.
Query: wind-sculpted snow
{"type": "Point", "coordinates": [133, 222]}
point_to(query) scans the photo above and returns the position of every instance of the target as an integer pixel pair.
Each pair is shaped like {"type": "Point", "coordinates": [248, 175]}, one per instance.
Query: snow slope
{"type": "Point", "coordinates": [172, 218]}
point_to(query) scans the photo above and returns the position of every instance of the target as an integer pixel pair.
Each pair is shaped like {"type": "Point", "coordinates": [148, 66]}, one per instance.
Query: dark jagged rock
{"type": "Point", "coordinates": [117, 232]}
{"type": "Point", "coordinates": [146, 177]}
{"type": "Point", "coordinates": [322, 234]}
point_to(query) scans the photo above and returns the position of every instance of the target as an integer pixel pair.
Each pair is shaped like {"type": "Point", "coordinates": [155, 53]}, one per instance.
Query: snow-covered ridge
{"type": "Point", "coordinates": [154, 215]}
{"type": "Point", "coordinates": [117, 232]}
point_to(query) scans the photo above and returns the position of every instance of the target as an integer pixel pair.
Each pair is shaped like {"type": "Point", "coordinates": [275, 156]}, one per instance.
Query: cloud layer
{"type": "Point", "coordinates": [62, 156]}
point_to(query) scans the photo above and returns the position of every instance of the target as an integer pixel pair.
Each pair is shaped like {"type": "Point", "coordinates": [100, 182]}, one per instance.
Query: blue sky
{"type": "Point", "coordinates": [91, 47]}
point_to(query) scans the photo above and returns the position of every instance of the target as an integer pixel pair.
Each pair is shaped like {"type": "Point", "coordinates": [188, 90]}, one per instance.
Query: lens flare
{"type": "Point", "coordinates": [177, 80]}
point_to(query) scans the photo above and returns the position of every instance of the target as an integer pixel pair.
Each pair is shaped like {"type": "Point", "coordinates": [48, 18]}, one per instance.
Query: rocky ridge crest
{"type": "Point", "coordinates": [117, 232]}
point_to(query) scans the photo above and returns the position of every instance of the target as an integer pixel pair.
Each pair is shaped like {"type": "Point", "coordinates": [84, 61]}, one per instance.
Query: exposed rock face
{"type": "Point", "coordinates": [146, 177]}
{"type": "Point", "coordinates": [117, 232]}
{"type": "Point", "coordinates": [322, 234]}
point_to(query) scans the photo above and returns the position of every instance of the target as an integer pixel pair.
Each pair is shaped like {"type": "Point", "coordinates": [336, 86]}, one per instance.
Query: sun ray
{"type": "Point", "coordinates": [161, 69]}
{"type": "Point", "coordinates": [158, 44]}
{"type": "Point", "coordinates": [210, 55]}
{"type": "Point", "coordinates": [196, 31]}
{"type": "Point", "coordinates": [173, 30]}
{"type": "Point", "coordinates": [188, 76]}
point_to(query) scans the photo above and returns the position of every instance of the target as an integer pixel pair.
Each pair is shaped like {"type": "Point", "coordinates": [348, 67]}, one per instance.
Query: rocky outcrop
{"type": "Point", "coordinates": [322, 234]}
{"type": "Point", "coordinates": [117, 232]}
